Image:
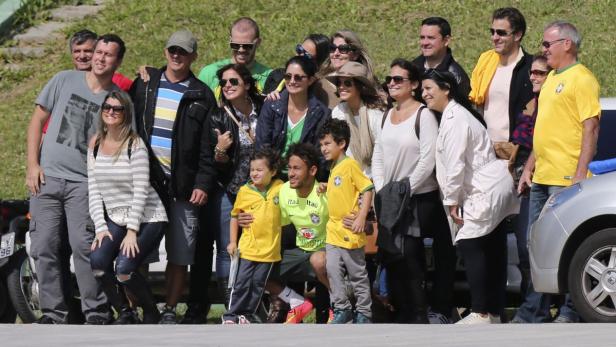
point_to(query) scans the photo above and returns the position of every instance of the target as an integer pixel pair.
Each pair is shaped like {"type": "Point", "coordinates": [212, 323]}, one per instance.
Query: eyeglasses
{"type": "Point", "coordinates": [300, 50]}
{"type": "Point", "coordinates": [348, 83]}
{"type": "Point", "coordinates": [500, 32]}
{"type": "Point", "coordinates": [177, 50]}
{"type": "Point", "coordinates": [234, 82]}
{"type": "Point", "coordinates": [297, 78]}
{"type": "Point", "coordinates": [237, 46]}
{"type": "Point", "coordinates": [343, 49]}
{"type": "Point", "coordinates": [539, 73]}
{"type": "Point", "coordinates": [109, 108]}
{"type": "Point", "coordinates": [548, 44]}
{"type": "Point", "coordinates": [396, 79]}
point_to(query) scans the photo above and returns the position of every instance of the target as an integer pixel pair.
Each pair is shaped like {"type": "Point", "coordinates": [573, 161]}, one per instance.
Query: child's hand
{"type": "Point", "coordinates": [358, 225]}
{"type": "Point", "coordinates": [322, 188]}
{"type": "Point", "coordinates": [232, 248]}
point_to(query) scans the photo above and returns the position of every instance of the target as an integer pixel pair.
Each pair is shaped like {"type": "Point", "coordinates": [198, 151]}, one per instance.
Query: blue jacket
{"type": "Point", "coordinates": [272, 123]}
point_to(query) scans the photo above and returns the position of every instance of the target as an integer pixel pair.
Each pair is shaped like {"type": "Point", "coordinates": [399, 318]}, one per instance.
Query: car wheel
{"type": "Point", "coordinates": [23, 288]}
{"type": "Point", "coordinates": [592, 277]}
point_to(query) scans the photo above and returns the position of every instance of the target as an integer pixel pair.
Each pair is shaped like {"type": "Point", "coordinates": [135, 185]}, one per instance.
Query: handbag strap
{"type": "Point", "coordinates": [239, 125]}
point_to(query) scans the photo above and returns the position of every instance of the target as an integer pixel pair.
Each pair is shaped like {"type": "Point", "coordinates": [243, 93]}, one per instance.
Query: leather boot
{"type": "Point", "coordinates": [137, 285]}
{"type": "Point", "coordinates": [278, 310]}
{"type": "Point", "coordinates": [114, 294]}
{"type": "Point", "coordinates": [419, 305]}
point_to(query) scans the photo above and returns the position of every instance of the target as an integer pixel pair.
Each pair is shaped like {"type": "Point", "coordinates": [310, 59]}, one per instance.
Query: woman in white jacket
{"type": "Point", "coordinates": [362, 109]}
{"type": "Point", "coordinates": [477, 191]}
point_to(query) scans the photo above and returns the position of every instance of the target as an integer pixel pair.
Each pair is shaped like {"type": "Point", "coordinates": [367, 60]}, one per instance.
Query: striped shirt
{"type": "Point", "coordinates": [122, 187]}
{"type": "Point", "coordinates": [167, 103]}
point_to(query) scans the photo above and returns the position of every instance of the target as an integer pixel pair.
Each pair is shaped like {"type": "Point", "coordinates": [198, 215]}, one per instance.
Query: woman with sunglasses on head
{"type": "Point", "coordinates": [478, 193]}
{"type": "Point", "coordinates": [297, 115]}
{"type": "Point", "coordinates": [523, 137]}
{"type": "Point", "coordinates": [315, 47]}
{"type": "Point", "coordinates": [231, 138]}
{"type": "Point", "coordinates": [404, 156]}
{"type": "Point", "coordinates": [128, 214]}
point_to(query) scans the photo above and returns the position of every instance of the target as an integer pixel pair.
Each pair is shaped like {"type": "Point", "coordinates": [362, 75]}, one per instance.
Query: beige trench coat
{"type": "Point", "coordinates": [470, 175]}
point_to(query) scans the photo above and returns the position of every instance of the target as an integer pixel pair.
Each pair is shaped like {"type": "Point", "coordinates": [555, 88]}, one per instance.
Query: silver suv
{"type": "Point", "coordinates": [573, 242]}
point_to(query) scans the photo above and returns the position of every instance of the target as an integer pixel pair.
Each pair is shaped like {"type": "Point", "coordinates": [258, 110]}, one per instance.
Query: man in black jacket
{"type": "Point", "coordinates": [171, 109]}
{"type": "Point", "coordinates": [434, 39]}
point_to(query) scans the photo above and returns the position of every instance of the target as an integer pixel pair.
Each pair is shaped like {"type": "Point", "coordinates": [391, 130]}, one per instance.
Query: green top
{"type": "Point", "coordinates": [294, 134]}
{"type": "Point", "coordinates": [208, 75]}
{"type": "Point", "coordinates": [309, 216]}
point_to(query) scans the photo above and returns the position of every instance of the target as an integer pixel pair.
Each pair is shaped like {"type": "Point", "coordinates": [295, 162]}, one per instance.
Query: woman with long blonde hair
{"type": "Point", "coordinates": [128, 214]}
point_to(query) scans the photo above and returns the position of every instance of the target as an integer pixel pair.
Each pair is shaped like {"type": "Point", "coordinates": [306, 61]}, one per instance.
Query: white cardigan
{"type": "Point", "coordinates": [470, 175]}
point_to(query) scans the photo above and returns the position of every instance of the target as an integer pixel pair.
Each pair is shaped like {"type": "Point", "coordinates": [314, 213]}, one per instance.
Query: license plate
{"type": "Point", "coordinates": [7, 245]}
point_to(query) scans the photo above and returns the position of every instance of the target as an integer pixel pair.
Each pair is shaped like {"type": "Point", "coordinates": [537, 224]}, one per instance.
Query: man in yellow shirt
{"type": "Point", "coordinates": [565, 138]}
{"type": "Point", "coordinates": [344, 247]}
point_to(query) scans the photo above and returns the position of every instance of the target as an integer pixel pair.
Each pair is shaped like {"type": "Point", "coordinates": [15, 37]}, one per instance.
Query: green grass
{"type": "Point", "coordinates": [388, 28]}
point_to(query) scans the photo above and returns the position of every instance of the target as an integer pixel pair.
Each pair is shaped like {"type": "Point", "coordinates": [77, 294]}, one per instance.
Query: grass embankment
{"type": "Point", "coordinates": [388, 28]}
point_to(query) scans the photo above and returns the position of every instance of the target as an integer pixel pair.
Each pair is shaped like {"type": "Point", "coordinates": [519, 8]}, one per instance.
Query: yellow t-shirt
{"type": "Point", "coordinates": [567, 98]}
{"type": "Point", "coordinates": [261, 241]}
{"type": "Point", "coordinates": [346, 182]}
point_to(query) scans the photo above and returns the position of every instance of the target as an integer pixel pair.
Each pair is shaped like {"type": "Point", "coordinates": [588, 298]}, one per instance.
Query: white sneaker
{"type": "Point", "coordinates": [243, 320]}
{"type": "Point", "coordinates": [474, 318]}
{"type": "Point", "coordinates": [494, 319]}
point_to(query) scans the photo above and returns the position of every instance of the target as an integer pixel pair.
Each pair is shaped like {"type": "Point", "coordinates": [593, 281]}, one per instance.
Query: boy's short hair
{"type": "Point", "coordinates": [270, 155]}
{"type": "Point", "coordinates": [308, 153]}
{"type": "Point", "coordinates": [338, 129]}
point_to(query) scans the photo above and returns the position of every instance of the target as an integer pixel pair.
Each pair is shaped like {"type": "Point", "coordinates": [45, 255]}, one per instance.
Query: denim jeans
{"type": "Point", "coordinates": [536, 306]}
{"type": "Point", "coordinates": [223, 236]}
{"type": "Point", "coordinates": [148, 238]}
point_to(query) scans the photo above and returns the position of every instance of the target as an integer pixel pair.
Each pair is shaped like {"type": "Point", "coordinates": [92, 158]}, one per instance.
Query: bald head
{"type": "Point", "coordinates": [245, 25]}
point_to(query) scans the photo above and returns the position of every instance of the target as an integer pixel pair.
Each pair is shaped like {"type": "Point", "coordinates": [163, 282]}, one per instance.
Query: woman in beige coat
{"type": "Point", "coordinates": [478, 193]}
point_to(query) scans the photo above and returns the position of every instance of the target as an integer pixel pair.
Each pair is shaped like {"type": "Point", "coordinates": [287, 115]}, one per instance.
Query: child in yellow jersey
{"type": "Point", "coordinates": [345, 247]}
{"type": "Point", "coordinates": [259, 245]}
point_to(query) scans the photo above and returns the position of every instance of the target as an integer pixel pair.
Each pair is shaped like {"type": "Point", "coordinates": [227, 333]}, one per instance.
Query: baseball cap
{"type": "Point", "coordinates": [183, 39]}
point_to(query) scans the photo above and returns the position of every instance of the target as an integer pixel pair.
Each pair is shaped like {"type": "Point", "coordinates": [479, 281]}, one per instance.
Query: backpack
{"type": "Point", "coordinates": [417, 120]}
{"type": "Point", "coordinates": [97, 144]}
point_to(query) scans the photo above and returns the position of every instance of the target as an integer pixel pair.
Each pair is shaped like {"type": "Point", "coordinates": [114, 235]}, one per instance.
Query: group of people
{"type": "Point", "coordinates": [290, 172]}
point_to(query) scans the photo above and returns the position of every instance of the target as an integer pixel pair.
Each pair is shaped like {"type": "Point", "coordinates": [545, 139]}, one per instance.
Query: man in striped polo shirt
{"type": "Point", "coordinates": [171, 109]}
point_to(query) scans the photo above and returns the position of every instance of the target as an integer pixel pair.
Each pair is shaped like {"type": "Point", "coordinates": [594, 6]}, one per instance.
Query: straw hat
{"type": "Point", "coordinates": [352, 69]}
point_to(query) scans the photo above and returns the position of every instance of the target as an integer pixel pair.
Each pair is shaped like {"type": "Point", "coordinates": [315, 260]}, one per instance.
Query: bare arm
{"type": "Point", "coordinates": [360, 221]}
{"type": "Point", "coordinates": [590, 134]}
{"type": "Point", "coordinates": [527, 175]}
{"type": "Point", "coordinates": [234, 232]}
{"type": "Point", "coordinates": [34, 174]}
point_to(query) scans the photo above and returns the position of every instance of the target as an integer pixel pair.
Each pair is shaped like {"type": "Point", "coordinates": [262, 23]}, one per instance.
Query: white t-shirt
{"type": "Point", "coordinates": [496, 108]}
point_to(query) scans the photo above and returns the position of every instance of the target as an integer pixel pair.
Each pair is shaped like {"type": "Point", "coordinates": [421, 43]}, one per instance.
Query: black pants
{"type": "Point", "coordinates": [248, 289]}
{"type": "Point", "coordinates": [485, 260]}
{"type": "Point", "coordinates": [405, 279]}
{"type": "Point", "coordinates": [433, 223]}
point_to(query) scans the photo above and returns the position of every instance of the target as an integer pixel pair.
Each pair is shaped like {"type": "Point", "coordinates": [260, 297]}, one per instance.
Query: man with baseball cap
{"type": "Point", "coordinates": [170, 111]}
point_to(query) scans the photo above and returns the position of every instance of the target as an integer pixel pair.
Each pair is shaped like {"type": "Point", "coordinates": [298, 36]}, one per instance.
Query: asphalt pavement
{"type": "Point", "coordinates": [269, 335]}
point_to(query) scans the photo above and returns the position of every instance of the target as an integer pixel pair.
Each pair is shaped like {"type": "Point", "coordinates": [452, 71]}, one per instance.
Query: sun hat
{"type": "Point", "coordinates": [352, 69]}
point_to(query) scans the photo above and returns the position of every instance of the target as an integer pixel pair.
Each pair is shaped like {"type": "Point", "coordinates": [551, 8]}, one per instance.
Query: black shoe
{"type": "Point", "coordinates": [45, 320]}
{"type": "Point", "coordinates": [168, 316]}
{"type": "Point", "coordinates": [195, 315]}
{"type": "Point", "coordinates": [127, 316]}
{"type": "Point", "coordinates": [97, 320]}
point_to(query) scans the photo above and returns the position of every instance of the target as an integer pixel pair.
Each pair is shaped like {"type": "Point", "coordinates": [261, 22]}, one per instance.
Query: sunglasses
{"type": "Point", "coordinates": [500, 32]}
{"type": "Point", "coordinates": [396, 79]}
{"type": "Point", "coordinates": [297, 78]}
{"type": "Point", "coordinates": [234, 82]}
{"type": "Point", "coordinates": [343, 49]}
{"type": "Point", "coordinates": [346, 83]}
{"type": "Point", "coordinates": [177, 50]}
{"type": "Point", "coordinates": [300, 50]}
{"type": "Point", "coordinates": [237, 46]}
{"type": "Point", "coordinates": [540, 73]}
{"type": "Point", "coordinates": [109, 108]}
{"type": "Point", "coordinates": [548, 44]}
